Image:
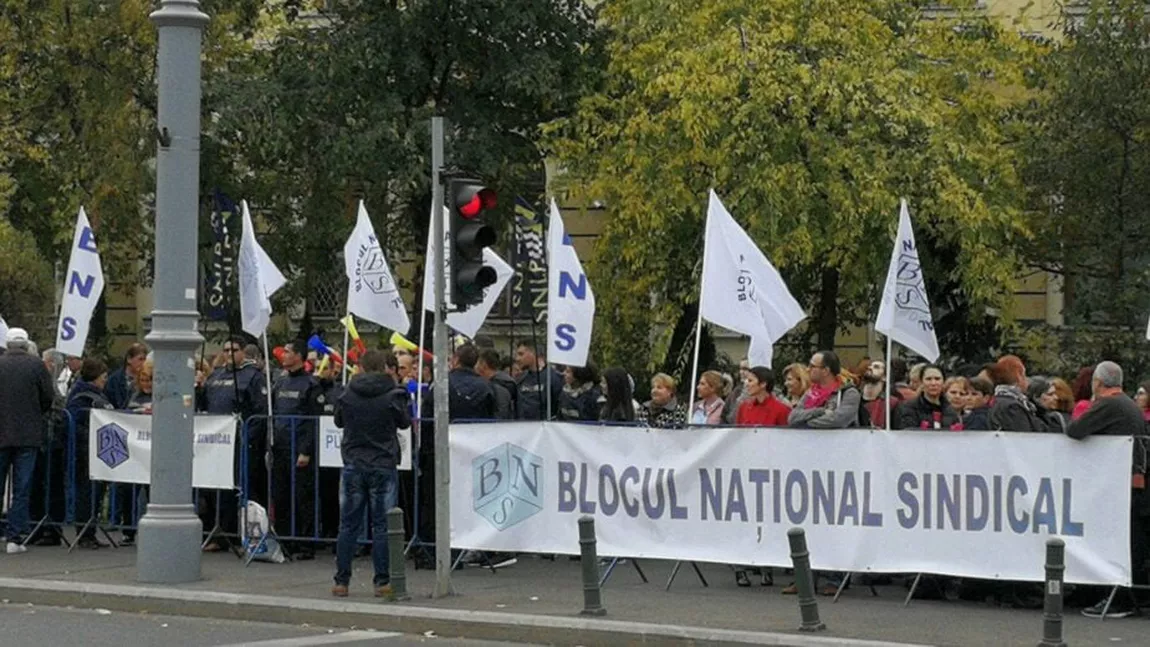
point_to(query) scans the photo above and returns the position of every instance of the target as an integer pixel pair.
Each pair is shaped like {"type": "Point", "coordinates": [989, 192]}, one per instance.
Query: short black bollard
{"type": "Point", "coordinates": [804, 581]}
{"type": "Point", "coordinates": [592, 598]}
{"type": "Point", "coordinates": [396, 564]}
{"type": "Point", "coordinates": [1052, 599]}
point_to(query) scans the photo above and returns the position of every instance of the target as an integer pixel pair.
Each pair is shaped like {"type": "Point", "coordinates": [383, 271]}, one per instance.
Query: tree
{"type": "Point", "coordinates": [336, 109]}
{"type": "Point", "coordinates": [1088, 165]}
{"type": "Point", "coordinates": [26, 290]}
{"type": "Point", "coordinates": [811, 119]}
{"type": "Point", "coordinates": [78, 108]}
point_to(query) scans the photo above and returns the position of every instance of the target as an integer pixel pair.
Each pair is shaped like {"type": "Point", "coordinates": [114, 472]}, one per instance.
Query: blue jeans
{"type": "Point", "coordinates": [23, 462]}
{"type": "Point", "coordinates": [374, 491]}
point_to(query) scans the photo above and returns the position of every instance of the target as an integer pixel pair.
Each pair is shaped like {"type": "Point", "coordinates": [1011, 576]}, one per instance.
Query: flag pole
{"type": "Point", "coordinates": [270, 427]}
{"type": "Point", "coordinates": [345, 343]}
{"type": "Point", "coordinates": [695, 363]}
{"type": "Point", "coordinates": [889, 363]}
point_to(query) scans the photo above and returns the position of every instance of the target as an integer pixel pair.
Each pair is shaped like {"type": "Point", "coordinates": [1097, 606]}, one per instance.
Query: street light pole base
{"type": "Point", "coordinates": [168, 545]}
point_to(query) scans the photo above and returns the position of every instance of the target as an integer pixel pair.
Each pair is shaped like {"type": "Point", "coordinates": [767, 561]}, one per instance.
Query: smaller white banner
{"type": "Point", "coordinates": [120, 449]}
{"type": "Point", "coordinates": [82, 289]}
{"type": "Point", "coordinates": [330, 438]}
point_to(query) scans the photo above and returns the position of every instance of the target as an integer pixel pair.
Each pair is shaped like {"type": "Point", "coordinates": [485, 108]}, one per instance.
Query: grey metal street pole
{"type": "Point", "coordinates": [440, 345]}
{"type": "Point", "coordinates": [170, 532]}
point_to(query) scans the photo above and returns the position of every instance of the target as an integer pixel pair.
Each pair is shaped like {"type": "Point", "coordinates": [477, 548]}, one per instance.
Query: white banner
{"type": "Point", "coordinates": [120, 449]}
{"type": "Point", "coordinates": [972, 504]}
{"type": "Point", "coordinates": [331, 436]}
{"type": "Point", "coordinates": [372, 292]}
{"type": "Point", "coordinates": [904, 314]}
{"type": "Point", "coordinates": [82, 289]}
{"type": "Point", "coordinates": [259, 279]}
{"type": "Point", "coordinates": [468, 322]}
{"type": "Point", "coordinates": [740, 289]}
{"type": "Point", "coordinates": [570, 300]}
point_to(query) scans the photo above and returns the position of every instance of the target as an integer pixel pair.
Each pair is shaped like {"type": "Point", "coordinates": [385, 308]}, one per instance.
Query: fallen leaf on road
{"type": "Point", "coordinates": [165, 625]}
{"type": "Point", "coordinates": [103, 612]}
{"type": "Point", "coordinates": [535, 598]}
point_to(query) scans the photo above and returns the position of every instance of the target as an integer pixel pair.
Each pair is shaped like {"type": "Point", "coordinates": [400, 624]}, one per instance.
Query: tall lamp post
{"type": "Point", "coordinates": [170, 532]}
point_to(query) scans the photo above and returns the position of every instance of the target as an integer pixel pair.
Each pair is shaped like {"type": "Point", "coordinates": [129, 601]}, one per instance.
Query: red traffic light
{"type": "Point", "coordinates": [482, 199]}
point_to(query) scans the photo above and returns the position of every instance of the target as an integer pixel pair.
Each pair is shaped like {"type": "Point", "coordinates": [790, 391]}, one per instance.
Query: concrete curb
{"type": "Point", "coordinates": [487, 625]}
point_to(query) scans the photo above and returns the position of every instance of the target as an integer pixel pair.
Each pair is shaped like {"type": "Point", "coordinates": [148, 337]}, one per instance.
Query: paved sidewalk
{"type": "Point", "coordinates": [552, 589]}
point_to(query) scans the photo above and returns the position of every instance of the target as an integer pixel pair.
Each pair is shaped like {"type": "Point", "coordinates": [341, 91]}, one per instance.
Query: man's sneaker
{"type": "Point", "coordinates": [15, 548]}
{"type": "Point", "coordinates": [504, 563]}
{"type": "Point", "coordinates": [339, 590]}
{"type": "Point", "coordinates": [1117, 610]}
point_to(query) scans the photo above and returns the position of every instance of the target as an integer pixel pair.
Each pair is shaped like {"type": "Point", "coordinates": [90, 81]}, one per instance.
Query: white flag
{"type": "Point", "coordinates": [469, 322]}
{"type": "Point", "coordinates": [904, 315]}
{"type": "Point", "coordinates": [741, 290]}
{"type": "Point", "coordinates": [259, 280]}
{"type": "Point", "coordinates": [371, 289]}
{"type": "Point", "coordinates": [3, 333]}
{"type": "Point", "coordinates": [83, 286]}
{"type": "Point", "coordinates": [570, 301]}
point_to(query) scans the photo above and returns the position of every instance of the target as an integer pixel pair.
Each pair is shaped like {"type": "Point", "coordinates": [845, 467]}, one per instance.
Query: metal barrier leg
{"type": "Point", "coordinates": [910, 594]}
{"type": "Point", "coordinates": [842, 587]}
{"type": "Point", "coordinates": [1109, 601]}
{"type": "Point", "coordinates": [674, 572]}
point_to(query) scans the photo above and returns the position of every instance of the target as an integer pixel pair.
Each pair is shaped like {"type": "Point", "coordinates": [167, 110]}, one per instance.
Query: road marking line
{"type": "Point", "coordinates": [321, 639]}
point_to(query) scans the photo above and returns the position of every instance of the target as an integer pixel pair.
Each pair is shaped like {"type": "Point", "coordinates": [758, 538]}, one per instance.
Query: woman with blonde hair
{"type": "Point", "coordinates": [711, 399]}
{"type": "Point", "coordinates": [663, 409]}
{"type": "Point", "coordinates": [796, 383]}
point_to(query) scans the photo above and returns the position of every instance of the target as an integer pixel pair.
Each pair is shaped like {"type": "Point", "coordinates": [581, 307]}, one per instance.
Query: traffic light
{"type": "Point", "coordinates": [468, 202]}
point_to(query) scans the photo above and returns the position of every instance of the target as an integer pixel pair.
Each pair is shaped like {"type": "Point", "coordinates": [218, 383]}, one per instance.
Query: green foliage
{"type": "Point", "coordinates": [336, 109]}
{"type": "Point", "coordinates": [1089, 165]}
{"type": "Point", "coordinates": [26, 289]}
{"type": "Point", "coordinates": [810, 119]}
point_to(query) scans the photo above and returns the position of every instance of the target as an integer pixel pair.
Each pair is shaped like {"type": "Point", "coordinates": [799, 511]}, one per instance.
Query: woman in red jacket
{"type": "Point", "coordinates": [761, 408]}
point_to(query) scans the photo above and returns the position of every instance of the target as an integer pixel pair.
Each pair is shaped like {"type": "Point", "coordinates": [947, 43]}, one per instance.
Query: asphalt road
{"type": "Point", "coordinates": [41, 626]}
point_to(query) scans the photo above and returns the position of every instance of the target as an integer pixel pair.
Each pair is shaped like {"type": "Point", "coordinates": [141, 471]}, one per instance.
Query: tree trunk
{"type": "Point", "coordinates": [826, 322]}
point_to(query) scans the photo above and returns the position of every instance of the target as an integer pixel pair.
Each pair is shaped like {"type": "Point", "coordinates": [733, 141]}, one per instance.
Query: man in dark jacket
{"type": "Point", "coordinates": [26, 393]}
{"type": "Point", "coordinates": [532, 385]}
{"type": "Point", "coordinates": [87, 394]}
{"type": "Point", "coordinates": [122, 383]}
{"type": "Point", "coordinates": [1115, 414]}
{"type": "Point", "coordinates": [370, 411]}
{"type": "Point", "coordinates": [502, 384]}
{"type": "Point", "coordinates": [295, 398]}
{"type": "Point", "coordinates": [470, 396]}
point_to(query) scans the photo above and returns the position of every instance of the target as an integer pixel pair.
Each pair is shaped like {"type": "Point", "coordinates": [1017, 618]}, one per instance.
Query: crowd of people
{"type": "Point", "coordinates": [485, 385]}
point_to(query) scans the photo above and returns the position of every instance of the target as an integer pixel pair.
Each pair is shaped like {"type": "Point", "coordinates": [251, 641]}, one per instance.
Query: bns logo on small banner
{"type": "Point", "coordinates": [112, 445]}
{"type": "Point", "coordinates": [507, 485]}
{"type": "Point", "coordinates": [371, 269]}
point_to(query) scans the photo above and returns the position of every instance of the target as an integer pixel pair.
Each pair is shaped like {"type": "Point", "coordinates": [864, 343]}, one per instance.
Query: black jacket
{"type": "Point", "coordinates": [580, 403]}
{"type": "Point", "coordinates": [296, 394]}
{"type": "Point", "coordinates": [329, 393]}
{"type": "Point", "coordinates": [119, 388]}
{"type": "Point", "coordinates": [914, 414]}
{"type": "Point", "coordinates": [531, 398]}
{"type": "Point", "coordinates": [370, 411]}
{"type": "Point", "coordinates": [1013, 411]}
{"type": "Point", "coordinates": [505, 391]}
{"type": "Point", "coordinates": [977, 420]}
{"type": "Point", "coordinates": [470, 397]}
{"type": "Point", "coordinates": [1117, 415]}
{"type": "Point", "coordinates": [26, 394]}
{"type": "Point", "coordinates": [84, 397]}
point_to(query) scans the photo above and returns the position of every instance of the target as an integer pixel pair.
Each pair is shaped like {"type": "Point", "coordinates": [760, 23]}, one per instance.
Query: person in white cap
{"type": "Point", "coordinates": [26, 394]}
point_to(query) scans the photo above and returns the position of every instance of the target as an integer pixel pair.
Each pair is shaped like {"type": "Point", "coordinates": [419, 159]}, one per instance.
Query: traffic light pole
{"type": "Point", "coordinates": [440, 346]}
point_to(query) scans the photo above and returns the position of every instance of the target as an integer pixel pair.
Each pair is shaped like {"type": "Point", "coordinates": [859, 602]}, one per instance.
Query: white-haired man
{"type": "Point", "coordinates": [1115, 414]}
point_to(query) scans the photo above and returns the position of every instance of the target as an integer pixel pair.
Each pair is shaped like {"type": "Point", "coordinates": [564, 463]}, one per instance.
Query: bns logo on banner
{"type": "Point", "coordinates": [507, 485]}
{"type": "Point", "coordinates": [112, 445]}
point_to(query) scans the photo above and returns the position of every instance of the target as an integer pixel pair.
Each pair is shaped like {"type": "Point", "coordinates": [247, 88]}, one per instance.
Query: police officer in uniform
{"type": "Point", "coordinates": [330, 390]}
{"type": "Point", "coordinates": [295, 394]}
{"type": "Point", "coordinates": [237, 388]}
